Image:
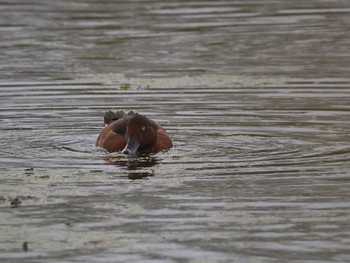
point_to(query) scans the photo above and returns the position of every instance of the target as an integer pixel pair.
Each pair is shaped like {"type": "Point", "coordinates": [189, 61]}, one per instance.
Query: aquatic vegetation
{"type": "Point", "coordinates": [125, 86]}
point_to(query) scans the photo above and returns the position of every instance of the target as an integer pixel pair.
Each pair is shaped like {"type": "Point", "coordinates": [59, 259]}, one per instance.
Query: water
{"type": "Point", "coordinates": [255, 95]}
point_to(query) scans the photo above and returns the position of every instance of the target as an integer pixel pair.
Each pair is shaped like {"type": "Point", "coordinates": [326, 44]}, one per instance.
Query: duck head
{"type": "Point", "coordinates": [141, 134]}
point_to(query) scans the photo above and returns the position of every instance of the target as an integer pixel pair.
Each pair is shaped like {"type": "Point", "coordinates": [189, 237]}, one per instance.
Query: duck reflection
{"type": "Point", "coordinates": [135, 165]}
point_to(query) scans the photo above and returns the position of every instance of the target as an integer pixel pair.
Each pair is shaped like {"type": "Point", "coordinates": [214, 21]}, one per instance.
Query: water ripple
{"type": "Point", "coordinates": [255, 95]}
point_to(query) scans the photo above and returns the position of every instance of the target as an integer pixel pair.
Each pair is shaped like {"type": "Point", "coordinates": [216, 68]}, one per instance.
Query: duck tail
{"type": "Point", "coordinates": [111, 116]}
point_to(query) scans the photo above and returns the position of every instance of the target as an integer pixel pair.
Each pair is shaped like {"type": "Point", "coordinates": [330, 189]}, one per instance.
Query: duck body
{"type": "Point", "coordinates": [132, 133]}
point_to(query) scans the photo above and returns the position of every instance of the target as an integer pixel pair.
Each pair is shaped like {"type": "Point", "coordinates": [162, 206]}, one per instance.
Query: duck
{"type": "Point", "coordinates": [132, 133]}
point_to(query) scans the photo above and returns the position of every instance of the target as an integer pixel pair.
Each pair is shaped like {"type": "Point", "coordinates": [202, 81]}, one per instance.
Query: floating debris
{"type": "Point", "coordinates": [29, 171]}
{"type": "Point", "coordinates": [25, 246]}
{"type": "Point", "coordinates": [44, 176]}
{"type": "Point", "coordinates": [15, 202]}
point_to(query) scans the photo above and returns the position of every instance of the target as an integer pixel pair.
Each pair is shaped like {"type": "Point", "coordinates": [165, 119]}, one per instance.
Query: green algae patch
{"type": "Point", "coordinates": [193, 81]}
{"type": "Point", "coordinates": [125, 86]}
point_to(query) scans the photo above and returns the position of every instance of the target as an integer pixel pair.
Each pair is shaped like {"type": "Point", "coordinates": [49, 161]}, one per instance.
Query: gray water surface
{"type": "Point", "coordinates": [255, 95]}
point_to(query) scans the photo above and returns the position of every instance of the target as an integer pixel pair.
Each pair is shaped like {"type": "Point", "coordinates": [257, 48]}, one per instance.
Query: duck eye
{"type": "Point", "coordinates": [143, 128]}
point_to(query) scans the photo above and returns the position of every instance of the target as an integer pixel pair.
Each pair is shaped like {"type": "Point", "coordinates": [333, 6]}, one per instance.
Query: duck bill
{"type": "Point", "coordinates": [131, 146]}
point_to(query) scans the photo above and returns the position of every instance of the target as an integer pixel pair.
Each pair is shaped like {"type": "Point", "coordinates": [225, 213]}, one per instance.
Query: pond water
{"type": "Point", "coordinates": [255, 95]}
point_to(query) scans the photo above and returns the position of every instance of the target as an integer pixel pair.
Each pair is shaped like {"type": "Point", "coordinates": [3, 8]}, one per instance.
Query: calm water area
{"type": "Point", "coordinates": [254, 94]}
